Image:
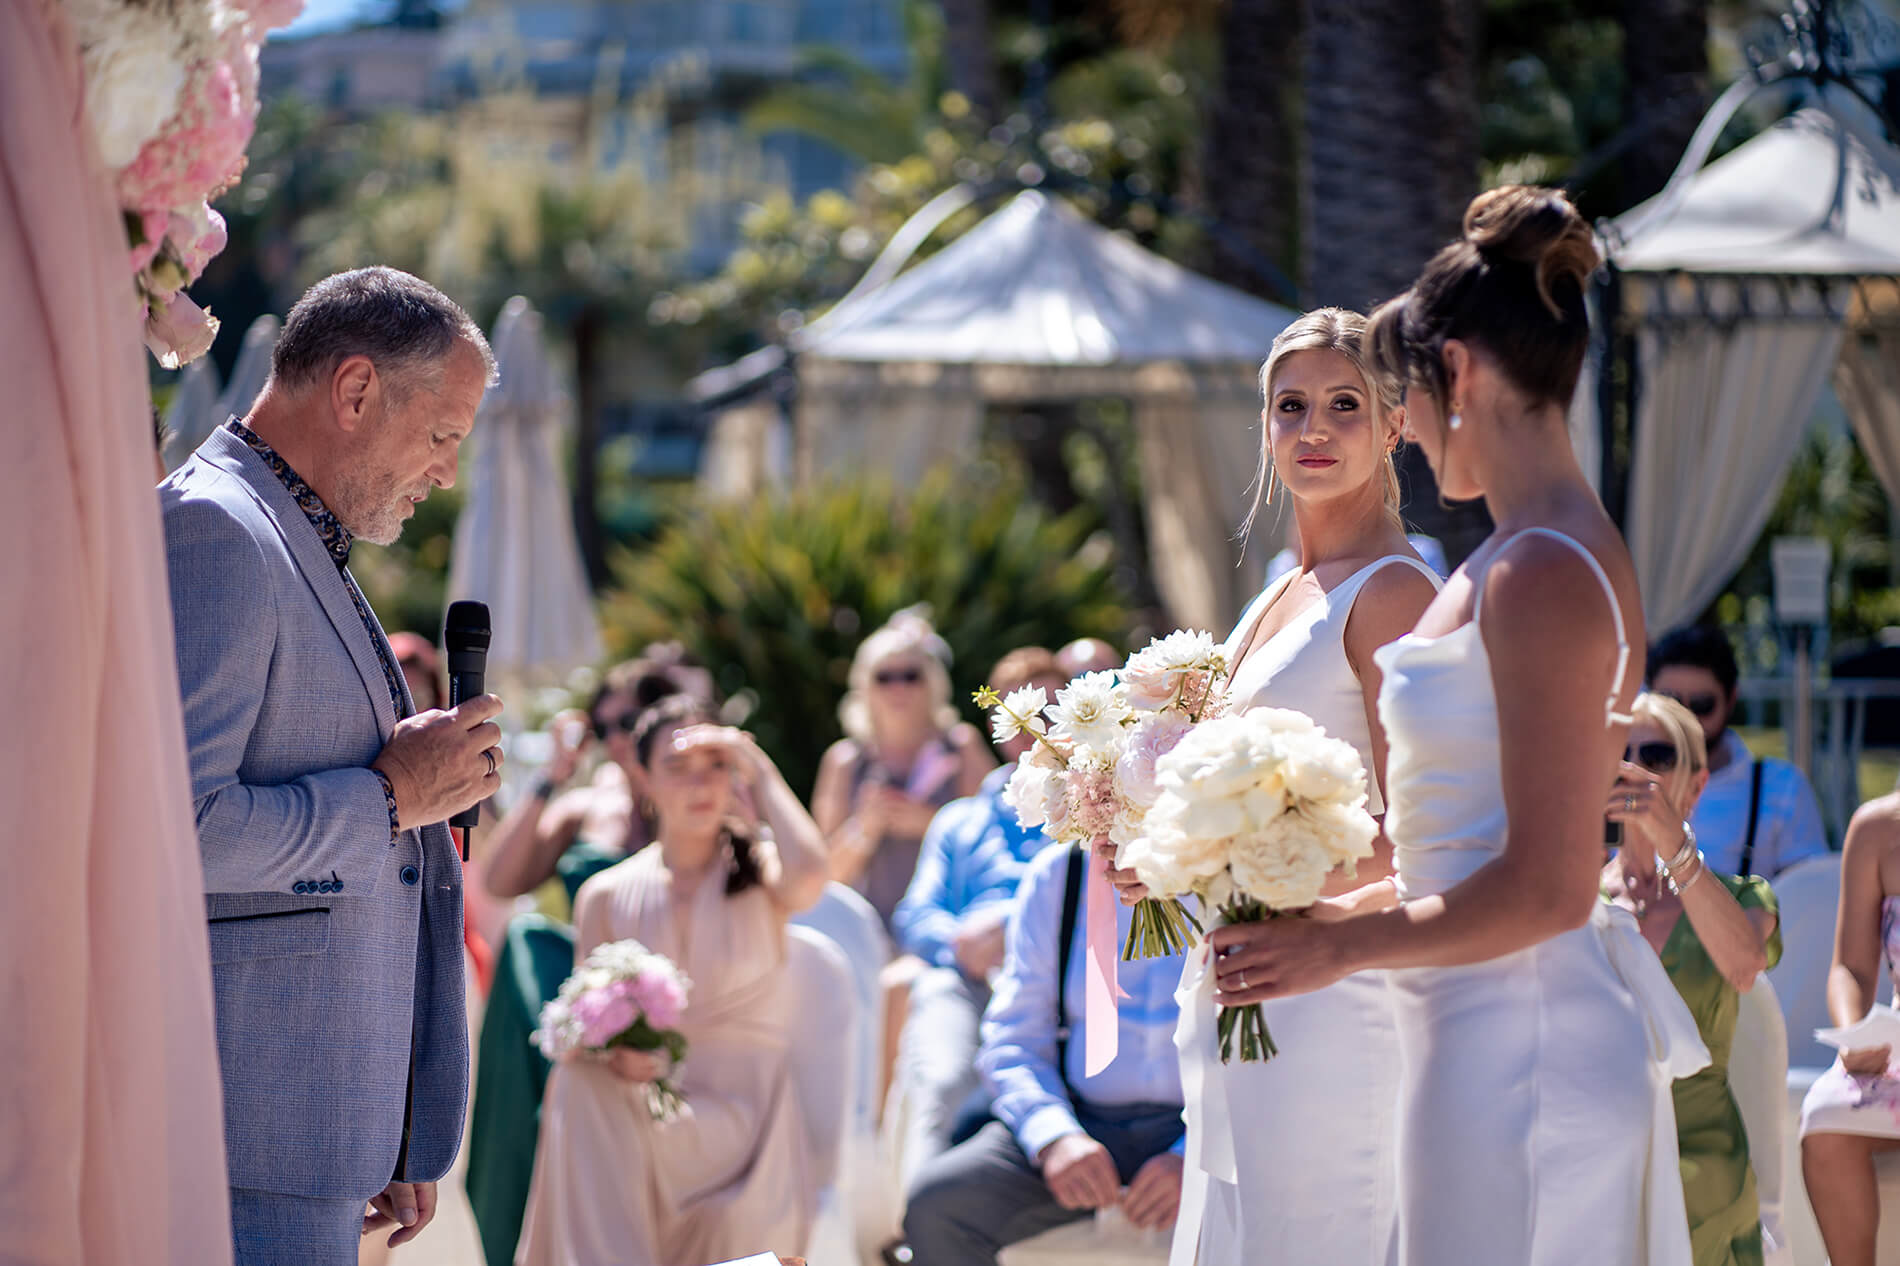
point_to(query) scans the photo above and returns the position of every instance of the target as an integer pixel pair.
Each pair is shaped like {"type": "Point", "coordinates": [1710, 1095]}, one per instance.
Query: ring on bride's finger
{"type": "Point", "coordinates": [1629, 804]}
{"type": "Point", "coordinates": [488, 754]}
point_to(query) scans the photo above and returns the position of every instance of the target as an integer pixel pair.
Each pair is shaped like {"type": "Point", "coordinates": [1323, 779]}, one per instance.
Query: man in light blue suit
{"type": "Point", "coordinates": [332, 887]}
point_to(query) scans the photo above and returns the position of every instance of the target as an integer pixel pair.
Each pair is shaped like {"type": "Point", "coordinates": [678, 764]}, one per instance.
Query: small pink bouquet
{"type": "Point", "coordinates": [622, 995]}
{"type": "Point", "coordinates": [1090, 779]}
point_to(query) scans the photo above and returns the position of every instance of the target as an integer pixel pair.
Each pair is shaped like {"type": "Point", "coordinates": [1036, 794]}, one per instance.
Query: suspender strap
{"type": "Point", "coordinates": [1071, 905]}
{"type": "Point", "coordinates": [1754, 819]}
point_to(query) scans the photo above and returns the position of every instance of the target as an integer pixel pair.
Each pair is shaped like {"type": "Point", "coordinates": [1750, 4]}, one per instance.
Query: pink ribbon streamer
{"type": "Point", "coordinates": [1102, 1028]}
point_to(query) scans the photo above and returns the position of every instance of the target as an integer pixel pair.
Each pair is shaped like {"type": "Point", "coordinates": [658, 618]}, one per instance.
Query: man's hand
{"type": "Point", "coordinates": [439, 763]}
{"type": "Point", "coordinates": [979, 943]}
{"type": "Point", "coordinates": [1154, 1197]}
{"type": "Point", "coordinates": [408, 1206]}
{"type": "Point", "coordinates": [1079, 1173]}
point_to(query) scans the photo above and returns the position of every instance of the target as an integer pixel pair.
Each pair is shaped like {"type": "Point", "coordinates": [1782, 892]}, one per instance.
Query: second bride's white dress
{"type": "Point", "coordinates": [1536, 1126]}
{"type": "Point", "coordinates": [1292, 1160]}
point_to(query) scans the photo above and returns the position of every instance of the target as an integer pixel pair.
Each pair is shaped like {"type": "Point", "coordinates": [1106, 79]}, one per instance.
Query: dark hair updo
{"type": "Point", "coordinates": [676, 712]}
{"type": "Point", "coordinates": [1513, 285]}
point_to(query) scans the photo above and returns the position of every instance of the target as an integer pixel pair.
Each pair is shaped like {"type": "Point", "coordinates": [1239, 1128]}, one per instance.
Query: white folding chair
{"type": "Point", "coordinates": [1758, 1077]}
{"type": "Point", "coordinates": [1809, 893]}
{"type": "Point", "coordinates": [824, 1057]}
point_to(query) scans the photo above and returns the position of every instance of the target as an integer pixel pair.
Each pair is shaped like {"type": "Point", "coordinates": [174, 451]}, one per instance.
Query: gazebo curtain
{"type": "Point", "coordinates": [1867, 381]}
{"type": "Point", "coordinates": [1726, 396]}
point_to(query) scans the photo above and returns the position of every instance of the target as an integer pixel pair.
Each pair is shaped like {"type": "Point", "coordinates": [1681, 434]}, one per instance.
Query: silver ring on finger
{"type": "Point", "coordinates": [1629, 804]}
{"type": "Point", "coordinates": [1241, 976]}
{"type": "Point", "coordinates": [488, 754]}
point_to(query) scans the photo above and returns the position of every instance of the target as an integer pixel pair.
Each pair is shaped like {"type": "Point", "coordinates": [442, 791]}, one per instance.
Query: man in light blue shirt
{"type": "Point", "coordinates": [953, 918]}
{"type": "Point", "coordinates": [1063, 1145]}
{"type": "Point", "coordinates": [1757, 816]}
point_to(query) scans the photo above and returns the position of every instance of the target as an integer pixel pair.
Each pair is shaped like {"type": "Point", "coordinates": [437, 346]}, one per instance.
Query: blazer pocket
{"type": "Point", "coordinates": [272, 934]}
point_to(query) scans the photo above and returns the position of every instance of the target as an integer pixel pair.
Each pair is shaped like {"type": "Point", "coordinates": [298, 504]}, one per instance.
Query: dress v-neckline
{"type": "Point", "coordinates": [1273, 594]}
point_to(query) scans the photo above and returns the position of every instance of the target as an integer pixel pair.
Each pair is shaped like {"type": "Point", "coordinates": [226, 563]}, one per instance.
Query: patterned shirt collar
{"type": "Point", "coordinates": [336, 538]}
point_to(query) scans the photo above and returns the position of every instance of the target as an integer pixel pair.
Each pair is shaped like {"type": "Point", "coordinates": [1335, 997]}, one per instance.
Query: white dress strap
{"type": "Point", "coordinates": [1609, 590]}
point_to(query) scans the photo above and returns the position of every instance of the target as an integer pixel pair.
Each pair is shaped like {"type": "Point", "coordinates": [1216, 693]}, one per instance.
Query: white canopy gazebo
{"type": "Point", "coordinates": [1038, 304]}
{"type": "Point", "coordinates": [1735, 293]}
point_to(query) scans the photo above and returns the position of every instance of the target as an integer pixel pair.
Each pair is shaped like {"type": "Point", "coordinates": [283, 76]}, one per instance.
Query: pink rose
{"type": "Point", "coordinates": [179, 332]}
{"type": "Point", "coordinates": [197, 235]}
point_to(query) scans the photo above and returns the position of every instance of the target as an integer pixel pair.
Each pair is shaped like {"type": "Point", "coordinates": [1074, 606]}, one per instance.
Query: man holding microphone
{"type": "Point", "coordinates": [332, 887]}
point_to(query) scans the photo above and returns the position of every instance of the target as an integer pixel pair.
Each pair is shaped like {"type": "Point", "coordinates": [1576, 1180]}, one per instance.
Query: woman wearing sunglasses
{"type": "Point", "coordinates": [1715, 934]}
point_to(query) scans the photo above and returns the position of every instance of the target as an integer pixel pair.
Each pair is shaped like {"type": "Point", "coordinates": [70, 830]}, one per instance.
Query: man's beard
{"type": "Point", "coordinates": [372, 507]}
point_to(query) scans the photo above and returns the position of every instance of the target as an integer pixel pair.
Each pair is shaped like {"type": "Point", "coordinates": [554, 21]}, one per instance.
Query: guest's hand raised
{"type": "Point", "coordinates": [1080, 1173]}
{"type": "Point", "coordinates": [1868, 1061]}
{"type": "Point", "coordinates": [748, 761]}
{"type": "Point", "coordinates": [1649, 819]}
{"type": "Point", "coordinates": [1254, 962]}
{"type": "Point", "coordinates": [439, 763]}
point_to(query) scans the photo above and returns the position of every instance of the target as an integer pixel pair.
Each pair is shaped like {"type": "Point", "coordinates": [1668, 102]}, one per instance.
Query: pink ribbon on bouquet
{"type": "Point", "coordinates": [1101, 1035]}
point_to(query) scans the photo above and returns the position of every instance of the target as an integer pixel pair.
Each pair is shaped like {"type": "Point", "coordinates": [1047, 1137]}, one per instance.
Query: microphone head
{"type": "Point", "coordinates": [465, 628]}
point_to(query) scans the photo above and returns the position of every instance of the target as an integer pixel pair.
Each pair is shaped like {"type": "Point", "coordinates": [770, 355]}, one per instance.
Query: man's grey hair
{"type": "Point", "coordinates": [402, 323]}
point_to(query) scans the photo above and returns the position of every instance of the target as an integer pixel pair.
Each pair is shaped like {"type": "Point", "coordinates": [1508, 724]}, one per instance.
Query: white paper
{"type": "Point", "coordinates": [1879, 1027]}
{"type": "Point", "coordinates": [757, 1259]}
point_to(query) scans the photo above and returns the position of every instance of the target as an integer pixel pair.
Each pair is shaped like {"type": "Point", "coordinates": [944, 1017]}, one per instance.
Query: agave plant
{"type": "Point", "coordinates": [774, 595]}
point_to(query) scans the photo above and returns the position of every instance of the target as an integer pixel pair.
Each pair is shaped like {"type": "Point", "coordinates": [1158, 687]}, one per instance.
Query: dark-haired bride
{"type": "Point", "coordinates": [1538, 1035]}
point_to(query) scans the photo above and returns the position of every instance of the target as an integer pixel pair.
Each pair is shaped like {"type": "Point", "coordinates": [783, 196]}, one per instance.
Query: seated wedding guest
{"type": "Point", "coordinates": [730, 1175]}
{"type": "Point", "coordinates": [576, 833]}
{"type": "Point", "coordinates": [1759, 816]}
{"type": "Point", "coordinates": [1853, 1110]}
{"type": "Point", "coordinates": [952, 919]}
{"type": "Point", "coordinates": [1715, 933]}
{"type": "Point", "coordinates": [904, 756]}
{"type": "Point", "coordinates": [1063, 1145]}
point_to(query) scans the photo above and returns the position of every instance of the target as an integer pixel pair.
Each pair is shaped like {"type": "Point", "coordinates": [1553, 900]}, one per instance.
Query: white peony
{"type": "Point", "coordinates": [1090, 712]}
{"type": "Point", "coordinates": [1219, 759]}
{"type": "Point", "coordinates": [136, 59]}
{"type": "Point", "coordinates": [1283, 866]}
{"type": "Point", "coordinates": [1020, 713]}
{"type": "Point", "coordinates": [1345, 831]}
{"type": "Point", "coordinates": [1323, 769]}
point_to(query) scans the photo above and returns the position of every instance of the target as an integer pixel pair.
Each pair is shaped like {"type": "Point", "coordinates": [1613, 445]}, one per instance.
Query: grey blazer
{"type": "Point", "coordinates": [340, 1011]}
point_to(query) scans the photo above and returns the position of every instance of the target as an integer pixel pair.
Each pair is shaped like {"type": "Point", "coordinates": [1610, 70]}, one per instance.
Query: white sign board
{"type": "Point", "coordinates": [1801, 564]}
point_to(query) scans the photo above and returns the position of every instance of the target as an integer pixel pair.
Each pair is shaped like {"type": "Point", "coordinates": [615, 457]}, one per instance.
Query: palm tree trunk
{"type": "Point", "coordinates": [1391, 161]}
{"type": "Point", "coordinates": [1252, 156]}
{"type": "Point", "coordinates": [1666, 75]}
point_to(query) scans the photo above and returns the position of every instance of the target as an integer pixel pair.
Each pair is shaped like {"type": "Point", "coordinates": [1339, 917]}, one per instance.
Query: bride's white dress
{"type": "Point", "coordinates": [1292, 1160]}
{"type": "Point", "coordinates": [1535, 1124]}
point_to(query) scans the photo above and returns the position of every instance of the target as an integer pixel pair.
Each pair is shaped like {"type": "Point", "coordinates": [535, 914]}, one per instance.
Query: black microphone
{"type": "Point", "coordinates": [465, 635]}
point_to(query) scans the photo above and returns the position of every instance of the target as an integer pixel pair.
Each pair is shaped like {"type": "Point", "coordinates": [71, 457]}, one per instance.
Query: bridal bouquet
{"type": "Point", "coordinates": [1091, 776]}
{"type": "Point", "coordinates": [623, 995]}
{"type": "Point", "coordinates": [1254, 811]}
{"type": "Point", "coordinates": [171, 94]}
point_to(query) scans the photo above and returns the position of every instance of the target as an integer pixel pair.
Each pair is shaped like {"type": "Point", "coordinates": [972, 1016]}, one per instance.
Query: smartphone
{"type": "Point", "coordinates": [1612, 833]}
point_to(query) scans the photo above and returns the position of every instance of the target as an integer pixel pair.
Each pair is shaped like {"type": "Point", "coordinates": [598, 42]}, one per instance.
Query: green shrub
{"type": "Point", "coordinates": [774, 595]}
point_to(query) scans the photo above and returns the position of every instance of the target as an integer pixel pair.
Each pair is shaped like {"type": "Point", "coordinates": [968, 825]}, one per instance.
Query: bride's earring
{"type": "Point", "coordinates": [1456, 419]}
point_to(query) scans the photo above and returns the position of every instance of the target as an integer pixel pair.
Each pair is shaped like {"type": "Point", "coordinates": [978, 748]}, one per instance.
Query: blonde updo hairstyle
{"type": "Point", "coordinates": [1513, 285]}
{"type": "Point", "coordinates": [1325, 330]}
{"type": "Point", "coordinates": [909, 632]}
{"type": "Point", "coordinates": [1684, 733]}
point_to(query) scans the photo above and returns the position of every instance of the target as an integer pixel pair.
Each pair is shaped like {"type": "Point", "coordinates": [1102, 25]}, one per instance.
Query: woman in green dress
{"type": "Point", "coordinates": [1715, 934]}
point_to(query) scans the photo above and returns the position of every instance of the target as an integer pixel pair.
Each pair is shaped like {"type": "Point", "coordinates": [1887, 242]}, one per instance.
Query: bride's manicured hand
{"type": "Point", "coordinates": [1130, 889]}
{"type": "Point", "coordinates": [1281, 957]}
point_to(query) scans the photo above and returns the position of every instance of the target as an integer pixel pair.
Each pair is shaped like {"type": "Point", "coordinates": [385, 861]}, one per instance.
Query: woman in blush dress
{"type": "Point", "coordinates": [731, 1174]}
{"type": "Point", "coordinates": [1307, 643]}
{"type": "Point", "coordinates": [1539, 1033]}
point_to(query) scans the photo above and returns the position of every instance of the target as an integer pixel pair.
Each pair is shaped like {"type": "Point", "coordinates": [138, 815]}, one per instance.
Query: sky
{"type": "Point", "coordinates": [323, 15]}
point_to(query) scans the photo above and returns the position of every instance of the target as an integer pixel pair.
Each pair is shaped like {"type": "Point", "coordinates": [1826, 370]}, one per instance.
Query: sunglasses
{"type": "Point", "coordinates": [1657, 757]}
{"type": "Point", "coordinates": [1700, 705]}
{"type": "Point", "coordinates": [899, 677]}
{"type": "Point", "coordinates": [626, 723]}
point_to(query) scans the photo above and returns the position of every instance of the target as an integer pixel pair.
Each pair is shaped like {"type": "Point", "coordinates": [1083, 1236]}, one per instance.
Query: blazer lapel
{"type": "Point", "coordinates": [320, 572]}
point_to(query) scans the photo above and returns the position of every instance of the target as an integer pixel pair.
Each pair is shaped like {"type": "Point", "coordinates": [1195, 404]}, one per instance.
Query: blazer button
{"type": "Point", "coordinates": [410, 874]}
